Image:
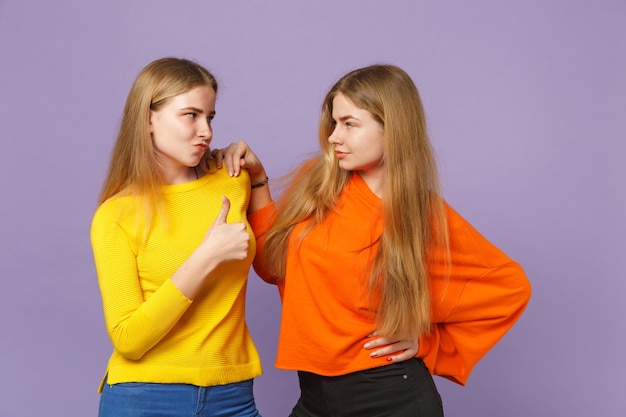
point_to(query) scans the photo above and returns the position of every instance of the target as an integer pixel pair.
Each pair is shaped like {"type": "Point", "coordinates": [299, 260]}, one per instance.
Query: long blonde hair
{"type": "Point", "coordinates": [133, 169]}
{"type": "Point", "coordinates": [414, 220]}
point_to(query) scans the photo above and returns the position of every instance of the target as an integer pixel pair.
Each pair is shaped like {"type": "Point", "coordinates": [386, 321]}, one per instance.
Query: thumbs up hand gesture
{"type": "Point", "coordinates": [223, 242]}
{"type": "Point", "coordinates": [226, 241]}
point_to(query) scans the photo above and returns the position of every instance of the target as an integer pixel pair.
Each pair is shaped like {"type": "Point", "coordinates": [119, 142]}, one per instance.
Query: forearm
{"type": "Point", "coordinates": [135, 325]}
{"type": "Point", "coordinates": [260, 195]}
{"type": "Point", "coordinates": [260, 221]}
{"type": "Point", "coordinates": [192, 274]}
{"type": "Point", "coordinates": [134, 328]}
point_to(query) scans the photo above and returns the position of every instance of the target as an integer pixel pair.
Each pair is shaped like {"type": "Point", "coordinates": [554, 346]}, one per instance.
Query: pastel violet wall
{"type": "Point", "coordinates": [525, 102]}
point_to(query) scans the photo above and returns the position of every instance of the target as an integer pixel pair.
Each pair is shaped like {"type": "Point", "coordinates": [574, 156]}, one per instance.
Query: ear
{"type": "Point", "coordinates": [150, 125]}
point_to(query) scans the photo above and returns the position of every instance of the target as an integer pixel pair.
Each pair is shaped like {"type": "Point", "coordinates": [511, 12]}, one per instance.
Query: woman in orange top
{"type": "Point", "coordinates": [382, 283]}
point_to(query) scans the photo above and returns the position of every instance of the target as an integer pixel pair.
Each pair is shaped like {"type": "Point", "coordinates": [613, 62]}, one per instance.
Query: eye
{"type": "Point", "coordinates": [349, 125]}
{"type": "Point", "coordinates": [191, 115]}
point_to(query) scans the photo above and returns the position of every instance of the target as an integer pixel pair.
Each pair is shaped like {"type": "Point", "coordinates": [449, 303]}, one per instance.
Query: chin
{"type": "Point", "coordinates": [346, 167]}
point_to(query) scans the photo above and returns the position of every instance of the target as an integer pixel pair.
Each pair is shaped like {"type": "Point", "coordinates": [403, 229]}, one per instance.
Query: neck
{"type": "Point", "coordinates": [376, 183]}
{"type": "Point", "coordinates": [182, 176]}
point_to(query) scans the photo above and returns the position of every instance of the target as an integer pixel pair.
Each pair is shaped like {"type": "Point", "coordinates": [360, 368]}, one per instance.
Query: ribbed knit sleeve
{"type": "Point", "coordinates": [134, 326]}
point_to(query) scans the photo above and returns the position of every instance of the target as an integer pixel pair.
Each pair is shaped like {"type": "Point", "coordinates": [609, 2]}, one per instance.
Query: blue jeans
{"type": "Point", "coordinates": [138, 399]}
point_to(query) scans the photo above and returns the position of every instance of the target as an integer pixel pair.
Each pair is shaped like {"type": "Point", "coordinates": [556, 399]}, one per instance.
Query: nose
{"type": "Point", "coordinates": [333, 138]}
{"type": "Point", "coordinates": [205, 131]}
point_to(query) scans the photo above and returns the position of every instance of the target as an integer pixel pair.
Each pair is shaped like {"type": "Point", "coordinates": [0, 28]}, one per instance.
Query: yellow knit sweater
{"type": "Point", "coordinates": [158, 334]}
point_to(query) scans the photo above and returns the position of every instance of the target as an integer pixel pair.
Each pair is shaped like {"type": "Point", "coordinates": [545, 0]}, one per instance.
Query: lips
{"type": "Point", "coordinates": [202, 146]}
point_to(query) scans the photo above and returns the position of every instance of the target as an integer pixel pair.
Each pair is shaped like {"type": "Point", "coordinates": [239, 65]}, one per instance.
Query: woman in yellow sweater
{"type": "Point", "coordinates": [172, 249]}
{"type": "Point", "coordinates": [367, 254]}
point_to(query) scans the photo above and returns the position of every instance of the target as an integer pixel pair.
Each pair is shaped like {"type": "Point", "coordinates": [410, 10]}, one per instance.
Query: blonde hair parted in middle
{"type": "Point", "coordinates": [134, 167]}
{"type": "Point", "coordinates": [414, 220]}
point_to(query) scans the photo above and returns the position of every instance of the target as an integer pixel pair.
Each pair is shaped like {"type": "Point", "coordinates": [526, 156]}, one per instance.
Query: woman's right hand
{"type": "Point", "coordinates": [223, 242]}
{"type": "Point", "coordinates": [396, 349]}
{"type": "Point", "coordinates": [239, 155]}
{"type": "Point", "coordinates": [226, 241]}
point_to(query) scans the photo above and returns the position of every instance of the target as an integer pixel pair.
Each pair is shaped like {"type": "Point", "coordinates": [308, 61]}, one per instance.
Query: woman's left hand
{"type": "Point", "coordinates": [239, 155]}
{"type": "Point", "coordinates": [395, 350]}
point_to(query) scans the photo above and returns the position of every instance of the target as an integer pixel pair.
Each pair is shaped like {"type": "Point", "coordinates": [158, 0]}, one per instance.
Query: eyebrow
{"type": "Point", "coordinates": [347, 117]}
{"type": "Point", "coordinates": [196, 110]}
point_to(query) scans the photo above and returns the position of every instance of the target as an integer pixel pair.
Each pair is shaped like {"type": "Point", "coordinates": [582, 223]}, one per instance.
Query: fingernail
{"type": "Point", "coordinates": [366, 346]}
{"type": "Point", "coordinates": [389, 359]}
{"type": "Point", "coordinates": [374, 355]}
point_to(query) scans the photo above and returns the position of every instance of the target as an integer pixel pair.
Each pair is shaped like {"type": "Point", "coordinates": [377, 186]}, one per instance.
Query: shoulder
{"type": "Point", "coordinates": [466, 240]}
{"type": "Point", "coordinates": [115, 205]}
{"type": "Point", "coordinates": [221, 176]}
{"type": "Point", "coordinates": [220, 183]}
{"type": "Point", "coordinates": [116, 210]}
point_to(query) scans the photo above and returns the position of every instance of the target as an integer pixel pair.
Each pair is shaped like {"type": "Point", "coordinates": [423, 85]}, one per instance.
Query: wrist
{"type": "Point", "coordinates": [259, 181]}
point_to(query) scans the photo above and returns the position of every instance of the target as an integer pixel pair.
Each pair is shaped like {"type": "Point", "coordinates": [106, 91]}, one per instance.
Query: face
{"type": "Point", "coordinates": [357, 139]}
{"type": "Point", "coordinates": [181, 130]}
